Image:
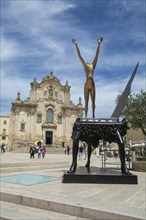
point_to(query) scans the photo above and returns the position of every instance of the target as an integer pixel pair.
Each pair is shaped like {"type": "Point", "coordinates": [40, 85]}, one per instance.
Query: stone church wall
{"type": "Point", "coordinates": [48, 114]}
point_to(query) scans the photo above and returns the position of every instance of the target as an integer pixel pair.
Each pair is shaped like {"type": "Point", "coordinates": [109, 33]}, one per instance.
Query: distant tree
{"type": "Point", "coordinates": [135, 110]}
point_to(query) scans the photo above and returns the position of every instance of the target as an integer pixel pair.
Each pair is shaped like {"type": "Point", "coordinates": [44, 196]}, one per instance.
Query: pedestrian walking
{"type": "Point", "coordinates": [39, 153]}
{"type": "Point", "coordinates": [68, 149]}
{"type": "Point", "coordinates": [43, 152]}
{"type": "Point", "coordinates": [32, 152]}
{"type": "Point", "coordinates": [65, 149]}
{"type": "Point", "coordinates": [3, 148]}
{"type": "Point", "coordinates": [81, 149]}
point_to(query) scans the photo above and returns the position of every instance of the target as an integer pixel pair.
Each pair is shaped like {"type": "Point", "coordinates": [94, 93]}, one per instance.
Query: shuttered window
{"type": "Point", "coordinates": [22, 127]}
{"type": "Point", "coordinates": [39, 118]}
{"type": "Point", "coordinates": [59, 119]}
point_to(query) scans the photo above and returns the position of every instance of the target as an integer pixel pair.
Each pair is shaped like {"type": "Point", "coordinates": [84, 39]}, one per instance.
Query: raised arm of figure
{"type": "Point", "coordinates": [78, 52]}
{"type": "Point", "coordinates": [97, 52]}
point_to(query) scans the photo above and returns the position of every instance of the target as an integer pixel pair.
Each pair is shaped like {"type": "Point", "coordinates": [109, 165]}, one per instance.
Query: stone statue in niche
{"type": "Point", "coordinates": [45, 91]}
{"type": "Point", "coordinates": [51, 92]}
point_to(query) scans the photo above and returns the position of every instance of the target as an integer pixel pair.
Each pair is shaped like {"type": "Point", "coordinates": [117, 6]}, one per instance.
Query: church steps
{"type": "Point", "coordinates": [64, 205]}
{"type": "Point", "coordinates": [11, 211]}
{"type": "Point", "coordinates": [32, 163]}
{"type": "Point", "coordinates": [40, 165]}
{"type": "Point", "coordinates": [26, 168]}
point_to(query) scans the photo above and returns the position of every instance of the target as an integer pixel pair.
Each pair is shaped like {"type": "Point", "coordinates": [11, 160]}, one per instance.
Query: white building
{"type": "Point", "coordinates": [4, 129]}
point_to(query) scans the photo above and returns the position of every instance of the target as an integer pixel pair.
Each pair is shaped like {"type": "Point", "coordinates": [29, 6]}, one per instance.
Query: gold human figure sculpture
{"type": "Point", "coordinates": [89, 87]}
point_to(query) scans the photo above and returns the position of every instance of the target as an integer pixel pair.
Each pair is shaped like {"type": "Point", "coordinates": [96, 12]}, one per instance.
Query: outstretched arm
{"type": "Point", "coordinates": [78, 52]}
{"type": "Point", "coordinates": [97, 52]}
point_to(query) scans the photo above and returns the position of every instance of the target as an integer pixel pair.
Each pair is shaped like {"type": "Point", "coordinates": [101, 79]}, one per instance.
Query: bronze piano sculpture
{"type": "Point", "coordinates": [92, 130]}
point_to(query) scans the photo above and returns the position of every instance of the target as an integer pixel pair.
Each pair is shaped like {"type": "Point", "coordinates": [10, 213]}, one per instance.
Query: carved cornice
{"type": "Point", "coordinates": [49, 125]}
{"type": "Point", "coordinates": [72, 107]}
{"type": "Point", "coordinates": [68, 107]}
{"type": "Point", "coordinates": [22, 104]}
{"type": "Point", "coordinates": [69, 110]}
{"type": "Point", "coordinates": [26, 107]}
{"type": "Point", "coordinates": [50, 105]}
{"type": "Point", "coordinates": [51, 79]}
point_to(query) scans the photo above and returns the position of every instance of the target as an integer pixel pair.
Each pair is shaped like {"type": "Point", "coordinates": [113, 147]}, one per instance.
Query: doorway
{"type": "Point", "coordinates": [49, 137]}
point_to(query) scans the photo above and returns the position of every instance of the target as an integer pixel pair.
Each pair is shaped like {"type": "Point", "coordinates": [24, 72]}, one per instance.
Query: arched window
{"type": "Point", "coordinates": [50, 115]}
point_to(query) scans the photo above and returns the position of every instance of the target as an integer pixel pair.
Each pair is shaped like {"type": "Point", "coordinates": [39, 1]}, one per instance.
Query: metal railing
{"type": "Point", "coordinates": [109, 155]}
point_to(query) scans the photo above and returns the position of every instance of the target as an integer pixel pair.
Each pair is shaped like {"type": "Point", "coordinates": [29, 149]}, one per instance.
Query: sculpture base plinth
{"type": "Point", "coordinates": [99, 175]}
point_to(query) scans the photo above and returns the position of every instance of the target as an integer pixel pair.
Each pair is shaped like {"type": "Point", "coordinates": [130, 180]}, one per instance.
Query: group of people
{"type": "Point", "coordinates": [82, 151]}
{"type": "Point", "coordinates": [39, 150]}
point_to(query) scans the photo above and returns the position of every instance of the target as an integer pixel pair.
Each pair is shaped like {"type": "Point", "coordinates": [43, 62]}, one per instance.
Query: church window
{"type": "Point", "coordinates": [39, 118]}
{"type": "Point", "coordinates": [50, 116]}
{"type": "Point", "coordinates": [59, 119]}
{"type": "Point", "coordinates": [3, 138]}
{"type": "Point", "coordinates": [5, 122]}
{"type": "Point", "coordinates": [22, 127]}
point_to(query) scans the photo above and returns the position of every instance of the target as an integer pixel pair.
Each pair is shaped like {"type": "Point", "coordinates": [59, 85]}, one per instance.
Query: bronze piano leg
{"type": "Point", "coordinates": [120, 142]}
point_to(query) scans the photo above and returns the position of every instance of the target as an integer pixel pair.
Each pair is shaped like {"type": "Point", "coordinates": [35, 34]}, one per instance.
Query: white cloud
{"type": "Point", "coordinates": [9, 49]}
{"type": "Point", "coordinates": [40, 24]}
{"type": "Point", "coordinates": [11, 84]}
{"type": "Point", "coordinates": [39, 16]}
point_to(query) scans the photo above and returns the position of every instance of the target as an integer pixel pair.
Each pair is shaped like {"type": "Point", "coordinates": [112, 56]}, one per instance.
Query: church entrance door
{"type": "Point", "coordinates": [49, 137]}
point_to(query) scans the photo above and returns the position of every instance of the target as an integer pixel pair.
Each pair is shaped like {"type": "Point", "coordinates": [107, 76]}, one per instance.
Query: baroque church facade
{"type": "Point", "coordinates": [48, 114]}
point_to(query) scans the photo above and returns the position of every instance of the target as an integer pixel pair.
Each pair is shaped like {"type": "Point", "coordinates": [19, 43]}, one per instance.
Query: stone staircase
{"type": "Point", "coordinates": [30, 166]}
{"type": "Point", "coordinates": [50, 150]}
{"type": "Point", "coordinates": [11, 211]}
{"type": "Point", "coordinates": [24, 203]}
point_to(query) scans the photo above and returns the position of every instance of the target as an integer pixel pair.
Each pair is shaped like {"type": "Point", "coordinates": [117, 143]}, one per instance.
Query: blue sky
{"type": "Point", "coordinates": [36, 38]}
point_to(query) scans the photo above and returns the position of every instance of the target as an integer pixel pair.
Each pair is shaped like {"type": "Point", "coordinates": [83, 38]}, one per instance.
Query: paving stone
{"type": "Point", "coordinates": [86, 200]}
